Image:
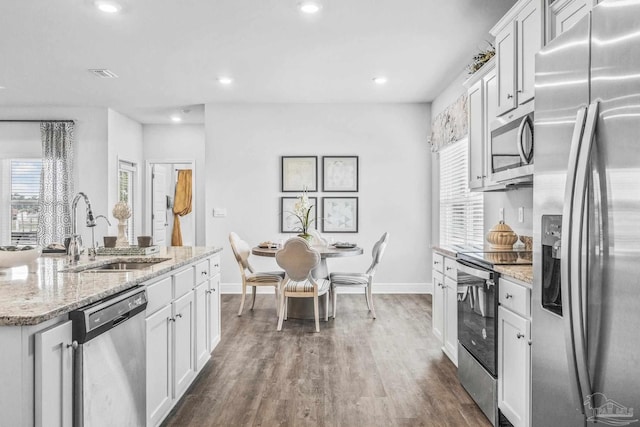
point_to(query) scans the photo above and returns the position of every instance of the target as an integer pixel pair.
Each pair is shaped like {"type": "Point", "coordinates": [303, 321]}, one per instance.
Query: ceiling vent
{"type": "Point", "coordinates": [103, 73]}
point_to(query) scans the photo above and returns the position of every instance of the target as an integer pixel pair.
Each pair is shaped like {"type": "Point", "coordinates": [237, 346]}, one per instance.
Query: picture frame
{"type": "Point", "coordinates": [299, 173]}
{"type": "Point", "coordinates": [339, 214]}
{"type": "Point", "coordinates": [288, 222]}
{"type": "Point", "coordinates": [340, 173]}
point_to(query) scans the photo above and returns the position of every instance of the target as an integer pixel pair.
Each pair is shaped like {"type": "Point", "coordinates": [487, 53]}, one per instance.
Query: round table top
{"type": "Point", "coordinates": [325, 252]}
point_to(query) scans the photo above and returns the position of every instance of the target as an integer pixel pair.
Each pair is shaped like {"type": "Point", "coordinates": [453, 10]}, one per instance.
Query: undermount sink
{"type": "Point", "coordinates": [124, 265]}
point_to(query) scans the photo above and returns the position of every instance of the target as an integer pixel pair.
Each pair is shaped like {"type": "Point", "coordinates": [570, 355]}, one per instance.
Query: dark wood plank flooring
{"type": "Point", "coordinates": [356, 372]}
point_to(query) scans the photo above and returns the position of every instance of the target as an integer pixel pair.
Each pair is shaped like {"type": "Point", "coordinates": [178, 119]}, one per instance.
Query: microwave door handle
{"type": "Point", "coordinates": [566, 256]}
{"type": "Point", "coordinates": [579, 208]}
{"type": "Point", "coordinates": [526, 158]}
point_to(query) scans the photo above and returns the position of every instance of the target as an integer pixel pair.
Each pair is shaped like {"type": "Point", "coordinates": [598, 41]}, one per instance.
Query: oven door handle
{"type": "Point", "coordinates": [476, 272]}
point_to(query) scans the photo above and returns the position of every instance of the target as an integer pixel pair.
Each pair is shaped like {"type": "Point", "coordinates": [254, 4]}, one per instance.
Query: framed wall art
{"type": "Point", "coordinates": [289, 223]}
{"type": "Point", "coordinates": [299, 173]}
{"type": "Point", "coordinates": [340, 173]}
{"type": "Point", "coordinates": [340, 214]}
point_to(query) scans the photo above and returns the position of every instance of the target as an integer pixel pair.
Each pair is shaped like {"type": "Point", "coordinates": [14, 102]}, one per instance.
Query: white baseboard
{"type": "Point", "coordinates": [378, 288]}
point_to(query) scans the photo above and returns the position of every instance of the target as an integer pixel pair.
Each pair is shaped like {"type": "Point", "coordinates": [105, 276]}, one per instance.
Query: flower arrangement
{"type": "Point", "coordinates": [481, 58]}
{"type": "Point", "coordinates": [302, 211]}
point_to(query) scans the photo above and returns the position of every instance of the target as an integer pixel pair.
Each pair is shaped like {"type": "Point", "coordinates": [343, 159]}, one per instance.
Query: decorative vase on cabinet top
{"type": "Point", "coordinates": [501, 237]}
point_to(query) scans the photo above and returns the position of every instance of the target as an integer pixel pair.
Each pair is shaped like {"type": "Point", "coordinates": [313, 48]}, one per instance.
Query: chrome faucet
{"type": "Point", "coordinates": [75, 245]}
{"type": "Point", "coordinates": [92, 249]}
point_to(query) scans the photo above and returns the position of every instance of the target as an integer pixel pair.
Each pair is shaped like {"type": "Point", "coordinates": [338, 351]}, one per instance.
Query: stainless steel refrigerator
{"type": "Point", "coordinates": [586, 295]}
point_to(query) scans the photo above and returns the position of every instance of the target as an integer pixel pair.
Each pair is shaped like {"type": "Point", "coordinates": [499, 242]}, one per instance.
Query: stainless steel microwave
{"type": "Point", "coordinates": [511, 145]}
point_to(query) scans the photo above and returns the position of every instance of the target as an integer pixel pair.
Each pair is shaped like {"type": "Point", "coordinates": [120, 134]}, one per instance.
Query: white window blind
{"type": "Point", "coordinates": [126, 180]}
{"type": "Point", "coordinates": [25, 196]}
{"type": "Point", "coordinates": [461, 211]}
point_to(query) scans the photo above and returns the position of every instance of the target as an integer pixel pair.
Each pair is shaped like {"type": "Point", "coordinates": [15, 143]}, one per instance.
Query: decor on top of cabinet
{"type": "Point", "coordinates": [501, 237]}
{"type": "Point", "coordinates": [122, 213]}
{"type": "Point", "coordinates": [450, 125]}
{"type": "Point", "coordinates": [481, 58]}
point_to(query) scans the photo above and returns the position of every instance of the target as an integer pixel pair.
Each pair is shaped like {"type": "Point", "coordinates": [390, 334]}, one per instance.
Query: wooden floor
{"type": "Point", "coordinates": [356, 372]}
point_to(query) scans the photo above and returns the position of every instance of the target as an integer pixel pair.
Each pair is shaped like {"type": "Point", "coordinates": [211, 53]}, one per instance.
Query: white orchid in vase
{"type": "Point", "coordinates": [302, 211]}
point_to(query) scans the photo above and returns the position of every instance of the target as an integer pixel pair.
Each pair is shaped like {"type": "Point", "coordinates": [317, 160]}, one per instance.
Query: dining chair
{"type": "Point", "coordinates": [242, 250]}
{"type": "Point", "coordinates": [298, 259]}
{"type": "Point", "coordinates": [363, 280]}
{"type": "Point", "coordinates": [317, 240]}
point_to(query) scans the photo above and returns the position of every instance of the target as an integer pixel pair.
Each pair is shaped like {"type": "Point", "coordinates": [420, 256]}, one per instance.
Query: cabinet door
{"type": "Point", "coordinates": [159, 373]}
{"type": "Point", "coordinates": [490, 83]}
{"type": "Point", "coordinates": [564, 14]}
{"type": "Point", "coordinates": [514, 367]}
{"type": "Point", "coordinates": [184, 361]}
{"type": "Point", "coordinates": [451, 319]}
{"type": "Point", "coordinates": [202, 353]}
{"type": "Point", "coordinates": [529, 24]}
{"type": "Point", "coordinates": [213, 313]}
{"type": "Point", "coordinates": [476, 135]}
{"type": "Point", "coordinates": [506, 66]}
{"type": "Point", "coordinates": [437, 307]}
{"type": "Point", "coordinates": [54, 376]}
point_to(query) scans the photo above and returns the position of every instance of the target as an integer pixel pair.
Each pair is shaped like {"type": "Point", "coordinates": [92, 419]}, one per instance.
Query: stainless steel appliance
{"type": "Point", "coordinates": [477, 323]}
{"type": "Point", "coordinates": [511, 145]}
{"type": "Point", "coordinates": [109, 370]}
{"type": "Point", "coordinates": [585, 341]}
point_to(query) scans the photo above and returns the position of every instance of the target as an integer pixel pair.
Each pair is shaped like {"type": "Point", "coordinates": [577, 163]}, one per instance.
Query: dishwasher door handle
{"type": "Point", "coordinates": [121, 319]}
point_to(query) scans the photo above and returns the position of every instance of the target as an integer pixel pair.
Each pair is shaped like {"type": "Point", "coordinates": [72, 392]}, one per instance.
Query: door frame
{"type": "Point", "coordinates": [148, 224]}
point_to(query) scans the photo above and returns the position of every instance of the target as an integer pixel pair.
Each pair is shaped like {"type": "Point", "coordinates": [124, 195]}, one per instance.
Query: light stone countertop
{"type": "Point", "coordinates": [520, 272]}
{"type": "Point", "coordinates": [54, 289]}
{"type": "Point", "coordinates": [446, 251]}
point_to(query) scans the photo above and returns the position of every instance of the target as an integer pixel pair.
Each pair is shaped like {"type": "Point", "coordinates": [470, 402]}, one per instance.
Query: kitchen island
{"type": "Point", "coordinates": [36, 364]}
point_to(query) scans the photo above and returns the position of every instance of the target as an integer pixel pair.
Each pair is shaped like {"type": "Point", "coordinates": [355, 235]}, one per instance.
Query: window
{"type": "Point", "coordinates": [126, 182]}
{"type": "Point", "coordinates": [461, 211]}
{"type": "Point", "coordinates": [24, 200]}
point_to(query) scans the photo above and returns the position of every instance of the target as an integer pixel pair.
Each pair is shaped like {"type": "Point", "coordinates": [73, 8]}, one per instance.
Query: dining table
{"type": "Point", "coordinates": [302, 308]}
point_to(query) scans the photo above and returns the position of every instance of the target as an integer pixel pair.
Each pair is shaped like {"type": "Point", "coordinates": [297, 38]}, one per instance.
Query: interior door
{"type": "Point", "coordinates": [159, 204]}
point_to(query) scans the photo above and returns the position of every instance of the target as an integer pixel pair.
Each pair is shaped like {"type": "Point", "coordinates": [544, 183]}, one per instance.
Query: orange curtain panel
{"type": "Point", "coordinates": [181, 204]}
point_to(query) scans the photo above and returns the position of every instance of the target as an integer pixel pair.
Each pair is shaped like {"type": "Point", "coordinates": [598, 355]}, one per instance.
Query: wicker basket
{"type": "Point", "coordinates": [501, 237]}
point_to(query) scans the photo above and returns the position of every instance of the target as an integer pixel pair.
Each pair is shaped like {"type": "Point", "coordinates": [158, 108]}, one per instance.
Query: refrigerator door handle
{"type": "Point", "coordinates": [577, 259]}
{"type": "Point", "coordinates": [566, 256]}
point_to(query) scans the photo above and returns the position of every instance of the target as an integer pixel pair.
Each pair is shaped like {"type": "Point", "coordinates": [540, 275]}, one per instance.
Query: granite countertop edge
{"type": "Point", "coordinates": [524, 273]}
{"type": "Point", "coordinates": [443, 250]}
{"type": "Point", "coordinates": [34, 319]}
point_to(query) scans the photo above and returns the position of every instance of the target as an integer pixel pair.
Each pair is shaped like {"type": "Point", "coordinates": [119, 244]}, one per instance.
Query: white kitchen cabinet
{"type": "Point", "coordinates": [519, 36]}
{"type": "Point", "coordinates": [54, 376]}
{"type": "Point", "coordinates": [563, 14]}
{"type": "Point", "coordinates": [213, 313]}
{"type": "Point", "coordinates": [514, 353]}
{"type": "Point", "coordinates": [444, 309]}
{"type": "Point", "coordinates": [202, 304]}
{"type": "Point", "coordinates": [184, 364]}
{"type": "Point", "coordinates": [159, 332]}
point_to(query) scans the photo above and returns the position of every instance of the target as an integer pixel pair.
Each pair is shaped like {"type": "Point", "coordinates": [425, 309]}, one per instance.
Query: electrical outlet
{"type": "Point", "coordinates": [521, 214]}
{"type": "Point", "coordinates": [501, 214]}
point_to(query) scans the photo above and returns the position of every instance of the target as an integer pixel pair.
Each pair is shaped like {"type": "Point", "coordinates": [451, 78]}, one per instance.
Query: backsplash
{"type": "Point", "coordinates": [510, 201]}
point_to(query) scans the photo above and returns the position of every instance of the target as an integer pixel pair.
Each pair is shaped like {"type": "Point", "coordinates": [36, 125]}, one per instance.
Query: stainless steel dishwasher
{"type": "Point", "coordinates": [109, 370]}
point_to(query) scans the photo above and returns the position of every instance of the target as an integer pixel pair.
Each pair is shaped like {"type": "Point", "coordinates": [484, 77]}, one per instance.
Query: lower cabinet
{"type": "Point", "coordinates": [444, 310]}
{"type": "Point", "coordinates": [514, 353]}
{"type": "Point", "coordinates": [213, 313]}
{"type": "Point", "coordinates": [184, 364]}
{"type": "Point", "coordinates": [159, 366]}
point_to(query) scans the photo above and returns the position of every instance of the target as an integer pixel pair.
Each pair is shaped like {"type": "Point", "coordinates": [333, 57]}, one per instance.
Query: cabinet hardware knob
{"type": "Point", "coordinates": [73, 345]}
{"type": "Point", "coordinates": [171, 319]}
{"type": "Point", "coordinates": [436, 262]}
{"type": "Point", "coordinates": [207, 292]}
{"type": "Point", "coordinates": [217, 265]}
{"type": "Point", "coordinates": [519, 335]}
{"type": "Point", "coordinates": [478, 177]}
{"type": "Point", "coordinates": [507, 296]}
{"type": "Point", "coordinates": [179, 315]}
{"type": "Point", "coordinates": [529, 342]}
{"type": "Point", "coordinates": [519, 90]}
{"type": "Point", "coordinates": [448, 268]}
{"type": "Point", "coordinates": [204, 273]}
{"type": "Point", "coordinates": [509, 96]}
{"type": "Point", "coordinates": [484, 176]}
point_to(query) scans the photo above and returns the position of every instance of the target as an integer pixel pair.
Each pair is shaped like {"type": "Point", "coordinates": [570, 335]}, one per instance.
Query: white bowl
{"type": "Point", "coordinates": [10, 259]}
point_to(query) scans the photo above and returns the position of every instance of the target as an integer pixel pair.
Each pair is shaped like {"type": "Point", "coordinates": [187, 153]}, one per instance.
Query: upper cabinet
{"type": "Point", "coordinates": [564, 13]}
{"type": "Point", "coordinates": [519, 36]}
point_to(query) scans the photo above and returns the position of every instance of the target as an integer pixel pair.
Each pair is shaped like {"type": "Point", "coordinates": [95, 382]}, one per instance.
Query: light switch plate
{"type": "Point", "coordinates": [521, 214]}
{"type": "Point", "coordinates": [219, 212]}
{"type": "Point", "coordinates": [501, 214]}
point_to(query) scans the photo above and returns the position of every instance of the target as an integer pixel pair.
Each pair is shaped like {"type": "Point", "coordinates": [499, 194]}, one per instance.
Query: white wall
{"type": "Point", "coordinates": [124, 143]}
{"type": "Point", "coordinates": [177, 143]}
{"type": "Point", "coordinates": [244, 145]}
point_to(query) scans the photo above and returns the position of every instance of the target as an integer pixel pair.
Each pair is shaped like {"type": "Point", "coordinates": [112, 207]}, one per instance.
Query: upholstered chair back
{"type": "Point", "coordinates": [297, 259]}
{"type": "Point", "coordinates": [377, 252]}
{"type": "Point", "coordinates": [241, 250]}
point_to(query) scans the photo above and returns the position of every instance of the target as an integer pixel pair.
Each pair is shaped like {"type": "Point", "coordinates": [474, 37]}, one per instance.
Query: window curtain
{"type": "Point", "coordinates": [56, 182]}
{"type": "Point", "coordinates": [181, 204]}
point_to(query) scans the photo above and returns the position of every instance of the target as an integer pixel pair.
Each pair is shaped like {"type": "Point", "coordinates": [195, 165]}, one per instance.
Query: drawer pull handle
{"type": "Point", "coordinates": [448, 268]}
{"type": "Point", "coordinates": [217, 265]}
{"type": "Point", "coordinates": [179, 315]}
{"type": "Point", "coordinates": [509, 96]}
{"type": "Point", "coordinates": [171, 319]}
{"type": "Point", "coordinates": [519, 335]}
{"type": "Point", "coordinates": [204, 273]}
{"type": "Point", "coordinates": [507, 296]}
{"type": "Point", "coordinates": [73, 345]}
{"type": "Point", "coordinates": [436, 262]}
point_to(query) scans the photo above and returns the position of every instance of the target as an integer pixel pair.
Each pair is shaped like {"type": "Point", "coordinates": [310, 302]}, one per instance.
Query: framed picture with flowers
{"type": "Point", "coordinates": [340, 214]}
{"type": "Point", "coordinates": [299, 173]}
{"type": "Point", "coordinates": [298, 215]}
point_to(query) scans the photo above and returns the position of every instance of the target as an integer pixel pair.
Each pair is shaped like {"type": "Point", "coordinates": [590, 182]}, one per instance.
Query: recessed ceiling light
{"type": "Point", "coordinates": [108, 6]}
{"type": "Point", "coordinates": [380, 80]}
{"type": "Point", "coordinates": [225, 80]}
{"type": "Point", "coordinates": [310, 7]}
{"type": "Point", "coordinates": [176, 119]}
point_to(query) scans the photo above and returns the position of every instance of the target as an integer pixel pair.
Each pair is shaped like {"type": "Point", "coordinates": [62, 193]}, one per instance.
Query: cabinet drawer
{"type": "Point", "coordinates": [438, 262]}
{"type": "Point", "coordinates": [183, 282]}
{"type": "Point", "coordinates": [214, 265]}
{"type": "Point", "coordinates": [451, 268]}
{"type": "Point", "coordinates": [515, 297]}
{"type": "Point", "coordinates": [158, 295]}
{"type": "Point", "coordinates": [202, 271]}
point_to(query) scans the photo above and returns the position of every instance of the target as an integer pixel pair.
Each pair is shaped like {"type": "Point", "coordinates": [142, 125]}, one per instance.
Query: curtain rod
{"type": "Point", "coordinates": [37, 121]}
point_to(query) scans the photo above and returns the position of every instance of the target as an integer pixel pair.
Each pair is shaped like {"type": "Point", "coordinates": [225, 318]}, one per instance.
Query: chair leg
{"type": "Point", "coordinates": [366, 295]}
{"type": "Point", "coordinates": [286, 308]}
{"type": "Point", "coordinates": [277, 301]}
{"type": "Point", "coordinates": [315, 312]}
{"type": "Point", "coordinates": [254, 290]}
{"type": "Point", "coordinates": [244, 293]}
{"type": "Point", "coordinates": [282, 312]}
{"type": "Point", "coordinates": [370, 295]}
{"type": "Point", "coordinates": [326, 307]}
{"type": "Point", "coordinates": [334, 292]}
